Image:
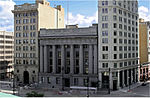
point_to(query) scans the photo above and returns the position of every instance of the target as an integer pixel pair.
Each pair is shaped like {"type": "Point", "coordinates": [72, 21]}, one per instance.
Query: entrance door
{"type": "Point", "coordinates": [26, 77]}
{"type": "Point", "coordinates": [115, 85]}
{"type": "Point", "coordinates": [67, 82]}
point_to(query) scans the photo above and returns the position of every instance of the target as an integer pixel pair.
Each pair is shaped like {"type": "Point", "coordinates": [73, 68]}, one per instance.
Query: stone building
{"type": "Point", "coordinates": [28, 20]}
{"type": "Point", "coordinates": [68, 57]}
{"type": "Point", "coordinates": [144, 47]}
{"type": "Point", "coordinates": [6, 55]}
{"type": "Point", "coordinates": [118, 43]}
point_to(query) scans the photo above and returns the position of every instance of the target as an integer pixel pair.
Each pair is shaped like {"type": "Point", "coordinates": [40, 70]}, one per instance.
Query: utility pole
{"type": "Point", "coordinates": [109, 83]}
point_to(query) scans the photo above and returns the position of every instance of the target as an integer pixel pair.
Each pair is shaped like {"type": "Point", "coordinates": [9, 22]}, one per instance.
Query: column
{"type": "Point", "coordinates": [90, 60]}
{"type": "Point", "coordinates": [135, 75]}
{"type": "Point", "coordinates": [71, 59]}
{"type": "Point", "coordinates": [62, 59]}
{"type": "Point", "coordinates": [127, 77]}
{"type": "Point", "coordinates": [54, 59]}
{"type": "Point", "coordinates": [100, 79]}
{"type": "Point", "coordinates": [95, 59]}
{"type": "Point", "coordinates": [131, 76]}
{"type": "Point", "coordinates": [123, 78]}
{"type": "Point", "coordinates": [111, 81]}
{"type": "Point", "coordinates": [81, 59]}
{"type": "Point", "coordinates": [45, 59]}
{"type": "Point", "coordinates": [41, 58]}
{"type": "Point", "coordinates": [118, 86]}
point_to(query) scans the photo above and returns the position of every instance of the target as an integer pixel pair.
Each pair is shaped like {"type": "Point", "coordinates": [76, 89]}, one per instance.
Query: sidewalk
{"type": "Point", "coordinates": [126, 89]}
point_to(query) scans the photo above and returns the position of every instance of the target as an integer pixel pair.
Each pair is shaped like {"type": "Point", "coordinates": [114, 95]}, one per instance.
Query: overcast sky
{"type": "Point", "coordinates": [82, 12]}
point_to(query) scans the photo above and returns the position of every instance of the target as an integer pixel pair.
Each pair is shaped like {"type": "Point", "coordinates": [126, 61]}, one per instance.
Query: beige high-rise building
{"type": "Point", "coordinates": [6, 54]}
{"type": "Point", "coordinates": [144, 47]}
{"type": "Point", "coordinates": [28, 20]}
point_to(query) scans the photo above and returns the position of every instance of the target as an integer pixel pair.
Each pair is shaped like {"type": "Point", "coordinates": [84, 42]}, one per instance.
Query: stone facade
{"type": "Point", "coordinates": [118, 43]}
{"type": "Point", "coordinates": [6, 55]}
{"type": "Point", "coordinates": [28, 20]}
{"type": "Point", "coordinates": [144, 44]}
{"type": "Point", "coordinates": [68, 57]}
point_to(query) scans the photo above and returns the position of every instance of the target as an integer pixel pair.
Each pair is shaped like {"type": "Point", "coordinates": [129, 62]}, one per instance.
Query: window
{"type": "Point", "coordinates": [104, 40]}
{"type": "Point", "coordinates": [115, 25]}
{"type": "Point", "coordinates": [120, 56]}
{"type": "Point", "coordinates": [114, 10]}
{"type": "Point", "coordinates": [115, 33]}
{"type": "Point", "coordinates": [115, 65]}
{"type": "Point", "coordinates": [104, 10]}
{"type": "Point", "coordinates": [115, 40]}
{"type": "Point", "coordinates": [105, 65]}
{"type": "Point", "coordinates": [104, 18]}
{"type": "Point", "coordinates": [48, 80]}
{"type": "Point", "coordinates": [115, 48]}
{"type": "Point", "coordinates": [120, 41]}
{"type": "Point", "coordinates": [104, 33]}
{"type": "Point", "coordinates": [125, 55]}
{"type": "Point", "coordinates": [115, 56]}
{"type": "Point", "coordinates": [105, 48]}
{"type": "Point", "coordinates": [105, 56]}
{"type": "Point", "coordinates": [114, 17]}
{"type": "Point", "coordinates": [104, 25]}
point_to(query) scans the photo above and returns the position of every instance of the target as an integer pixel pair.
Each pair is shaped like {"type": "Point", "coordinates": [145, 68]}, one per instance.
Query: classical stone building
{"type": "Point", "coordinates": [144, 47]}
{"type": "Point", "coordinates": [28, 20]}
{"type": "Point", "coordinates": [68, 57]}
{"type": "Point", "coordinates": [6, 55]}
{"type": "Point", "coordinates": [118, 43]}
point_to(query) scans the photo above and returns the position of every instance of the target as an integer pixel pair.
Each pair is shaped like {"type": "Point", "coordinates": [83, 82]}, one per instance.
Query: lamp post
{"type": "Point", "coordinates": [109, 83]}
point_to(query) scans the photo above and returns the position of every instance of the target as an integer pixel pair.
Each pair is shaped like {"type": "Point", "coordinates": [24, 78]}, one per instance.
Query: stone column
{"type": "Point", "coordinates": [100, 79]}
{"type": "Point", "coordinates": [81, 59]}
{"type": "Point", "coordinates": [111, 81]}
{"type": "Point", "coordinates": [131, 76]}
{"type": "Point", "coordinates": [95, 59]}
{"type": "Point", "coordinates": [71, 59]}
{"type": "Point", "coordinates": [41, 58]}
{"type": "Point", "coordinates": [90, 60]}
{"type": "Point", "coordinates": [128, 77]}
{"type": "Point", "coordinates": [45, 59]}
{"type": "Point", "coordinates": [123, 78]}
{"type": "Point", "coordinates": [135, 75]}
{"type": "Point", "coordinates": [118, 86]}
{"type": "Point", "coordinates": [54, 59]}
{"type": "Point", "coordinates": [62, 58]}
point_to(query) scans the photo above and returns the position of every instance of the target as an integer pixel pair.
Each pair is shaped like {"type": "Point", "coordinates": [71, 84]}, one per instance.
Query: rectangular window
{"type": "Point", "coordinates": [105, 48]}
{"type": "Point", "coordinates": [104, 40]}
{"type": "Point", "coordinates": [105, 56]}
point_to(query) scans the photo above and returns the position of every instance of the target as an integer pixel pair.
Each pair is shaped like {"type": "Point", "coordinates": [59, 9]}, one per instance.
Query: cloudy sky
{"type": "Point", "coordinates": [82, 12]}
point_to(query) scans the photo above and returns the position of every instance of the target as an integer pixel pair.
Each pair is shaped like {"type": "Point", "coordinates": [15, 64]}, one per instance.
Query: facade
{"type": "Point", "coordinates": [118, 43]}
{"type": "Point", "coordinates": [6, 55]}
{"type": "Point", "coordinates": [28, 20]}
{"type": "Point", "coordinates": [68, 57]}
{"type": "Point", "coordinates": [144, 45]}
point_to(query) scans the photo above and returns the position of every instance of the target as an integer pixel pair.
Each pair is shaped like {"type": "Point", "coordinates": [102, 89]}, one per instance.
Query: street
{"type": "Point", "coordinates": [137, 90]}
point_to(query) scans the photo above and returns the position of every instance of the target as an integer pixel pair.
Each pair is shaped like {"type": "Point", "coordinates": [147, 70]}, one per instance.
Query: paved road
{"type": "Point", "coordinates": [142, 90]}
{"type": "Point", "coordinates": [137, 91]}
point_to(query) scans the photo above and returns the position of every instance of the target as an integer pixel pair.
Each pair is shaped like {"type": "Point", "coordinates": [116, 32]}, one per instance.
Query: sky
{"type": "Point", "coordinates": [82, 12]}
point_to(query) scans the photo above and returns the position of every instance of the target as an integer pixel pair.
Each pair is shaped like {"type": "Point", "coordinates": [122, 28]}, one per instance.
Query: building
{"type": "Point", "coordinates": [118, 43]}
{"type": "Point", "coordinates": [144, 46]}
{"type": "Point", "coordinates": [28, 20]}
{"type": "Point", "coordinates": [6, 55]}
{"type": "Point", "coordinates": [68, 57]}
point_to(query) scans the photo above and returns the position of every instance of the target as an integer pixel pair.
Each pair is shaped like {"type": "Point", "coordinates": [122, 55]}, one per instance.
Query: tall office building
{"type": "Point", "coordinates": [6, 55]}
{"type": "Point", "coordinates": [144, 47]}
{"type": "Point", "coordinates": [28, 20]}
{"type": "Point", "coordinates": [118, 43]}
